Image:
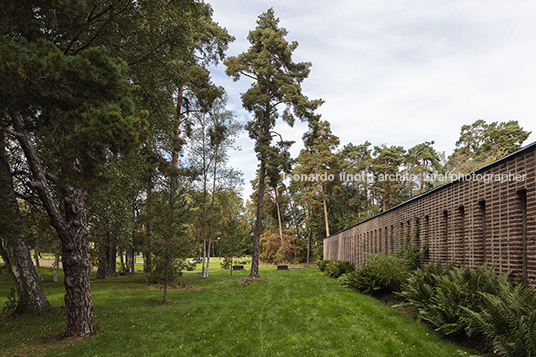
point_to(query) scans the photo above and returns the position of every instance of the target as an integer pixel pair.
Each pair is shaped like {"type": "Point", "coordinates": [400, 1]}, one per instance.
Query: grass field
{"type": "Point", "coordinates": [294, 313]}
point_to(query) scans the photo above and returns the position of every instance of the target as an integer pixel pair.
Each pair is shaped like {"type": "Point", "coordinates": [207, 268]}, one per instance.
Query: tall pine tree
{"type": "Point", "coordinates": [276, 81]}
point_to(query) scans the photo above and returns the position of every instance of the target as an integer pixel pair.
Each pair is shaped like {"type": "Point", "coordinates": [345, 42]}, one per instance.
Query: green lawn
{"type": "Point", "coordinates": [294, 313]}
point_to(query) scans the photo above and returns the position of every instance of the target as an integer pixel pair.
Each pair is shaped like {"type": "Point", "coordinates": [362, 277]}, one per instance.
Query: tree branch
{"type": "Point", "coordinates": [39, 183]}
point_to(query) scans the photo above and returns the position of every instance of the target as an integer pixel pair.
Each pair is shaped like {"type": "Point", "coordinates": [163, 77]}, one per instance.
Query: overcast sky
{"type": "Point", "coordinates": [397, 72]}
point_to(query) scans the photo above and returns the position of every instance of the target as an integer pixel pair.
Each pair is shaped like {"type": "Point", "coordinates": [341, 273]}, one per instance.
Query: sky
{"type": "Point", "coordinates": [396, 72]}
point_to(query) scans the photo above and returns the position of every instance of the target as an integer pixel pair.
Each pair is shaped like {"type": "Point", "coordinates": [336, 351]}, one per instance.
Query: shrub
{"type": "Point", "coordinates": [277, 249]}
{"type": "Point", "coordinates": [443, 293]}
{"type": "Point", "coordinates": [337, 268]}
{"type": "Point", "coordinates": [322, 264]}
{"type": "Point", "coordinates": [420, 284]}
{"type": "Point", "coordinates": [381, 273]}
{"type": "Point", "coordinates": [507, 319]}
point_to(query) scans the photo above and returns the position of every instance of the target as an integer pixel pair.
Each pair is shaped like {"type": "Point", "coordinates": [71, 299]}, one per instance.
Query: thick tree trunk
{"type": "Point", "coordinates": [72, 231]}
{"type": "Point", "coordinates": [254, 273]}
{"type": "Point", "coordinates": [76, 266]}
{"type": "Point", "coordinates": [31, 297]}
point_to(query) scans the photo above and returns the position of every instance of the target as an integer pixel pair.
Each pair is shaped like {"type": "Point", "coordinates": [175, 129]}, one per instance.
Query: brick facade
{"type": "Point", "coordinates": [466, 221]}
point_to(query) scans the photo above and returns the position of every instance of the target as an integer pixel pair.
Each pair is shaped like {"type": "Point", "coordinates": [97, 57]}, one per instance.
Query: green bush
{"type": "Point", "coordinates": [419, 287]}
{"type": "Point", "coordinates": [157, 275]}
{"type": "Point", "coordinates": [443, 293]}
{"type": "Point", "coordinates": [322, 264]}
{"type": "Point", "coordinates": [337, 268]}
{"type": "Point", "coordinates": [381, 273]}
{"type": "Point", "coordinates": [507, 319]}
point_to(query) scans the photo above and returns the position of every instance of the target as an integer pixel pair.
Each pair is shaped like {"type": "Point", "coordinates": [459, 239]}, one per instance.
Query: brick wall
{"type": "Point", "coordinates": [468, 222]}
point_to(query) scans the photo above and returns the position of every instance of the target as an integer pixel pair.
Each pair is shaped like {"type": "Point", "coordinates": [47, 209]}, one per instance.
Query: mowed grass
{"type": "Point", "coordinates": [294, 313]}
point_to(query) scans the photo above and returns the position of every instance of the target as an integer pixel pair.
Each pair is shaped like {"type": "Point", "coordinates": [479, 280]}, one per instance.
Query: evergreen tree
{"type": "Point", "coordinates": [422, 161]}
{"type": "Point", "coordinates": [319, 166]}
{"type": "Point", "coordinates": [481, 143]}
{"type": "Point", "coordinates": [169, 243]}
{"type": "Point", "coordinates": [388, 189]}
{"type": "Point", "coordinates": [276, 81]}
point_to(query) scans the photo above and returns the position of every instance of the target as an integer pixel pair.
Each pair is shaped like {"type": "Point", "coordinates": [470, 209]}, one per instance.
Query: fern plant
{"type": "Point", "coordinates": [337, 268]}
{"type": "Point", "coordinates": [380, 273]}
{"type": "Point", "coordinates": [507, 319]}
{"type": "Point", "coordinates": [442, 293]}
{"type": "Point", "coordinates": [420, 285]}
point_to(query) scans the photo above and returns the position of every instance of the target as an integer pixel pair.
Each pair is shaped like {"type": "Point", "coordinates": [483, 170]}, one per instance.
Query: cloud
{"type": "Point", "coordinates": [399, 72]}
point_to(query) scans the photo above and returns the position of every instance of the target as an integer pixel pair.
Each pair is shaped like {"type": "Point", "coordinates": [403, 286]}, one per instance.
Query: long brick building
{"type": "Point", "coordinates": [486, 216]}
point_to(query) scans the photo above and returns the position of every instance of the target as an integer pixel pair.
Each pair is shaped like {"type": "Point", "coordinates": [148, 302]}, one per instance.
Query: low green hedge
{"type": "Point", "coordinates": [381, 273]}
{"type": "Point", "coordinates": [336, 268]}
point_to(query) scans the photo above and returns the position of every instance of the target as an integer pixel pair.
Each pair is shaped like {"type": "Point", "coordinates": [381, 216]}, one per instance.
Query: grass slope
{"type": "Point", "coordinates": [294, 313]}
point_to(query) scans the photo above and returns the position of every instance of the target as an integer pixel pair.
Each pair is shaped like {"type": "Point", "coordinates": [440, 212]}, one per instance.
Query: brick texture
{"type": "Point", "coordinates": [484, 219]}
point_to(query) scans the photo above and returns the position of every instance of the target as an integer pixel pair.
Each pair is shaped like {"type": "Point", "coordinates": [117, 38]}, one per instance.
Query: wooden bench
{"type": "Point", "coordinates": [282, 267]}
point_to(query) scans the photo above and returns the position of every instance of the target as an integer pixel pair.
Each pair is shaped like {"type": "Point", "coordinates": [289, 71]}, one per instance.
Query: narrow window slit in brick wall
{"type": "Point", "coordinates": [482, 253]}
{"type": "Point", "coordinates": [426, 237]}
{"type": "Point", "coordinates": [523, 203]}
{"type": "Point", "coordinates": [462, 244]}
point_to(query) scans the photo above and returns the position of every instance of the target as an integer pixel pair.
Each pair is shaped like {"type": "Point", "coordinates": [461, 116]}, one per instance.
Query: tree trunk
{"type": "Point", "coordinates": [132, 266]}
{"type": "Point", "coordinates": [3, 253]}
{"type": "Point", "coordinates": [204, 273]}
{"type": "Point", "coordinates": [166, 280]}
{"type": "Point", "coordinates": [176, 129]}
{"type": "Point", "coordinates": [56, 263]}
{"type": "Point", "coordinates": [254, 273]}
{"type": "Point", "coordinates": [112, 251]}
{"type": "Point", "coordinates": [122, 261]}
{"type": "Point", "coordinates": [72, 231]}
{"type": "Point", "coordinates": [37, 250]}
{"type": "Point", "coordinates": [104, 258]}
{"type": "Point", "coordinates": [208, 257]}
{"type": "Point", "coordinates": [31, 297]}
{"type": "Point", "coordinates": [308, 248]}
{"type": "Point", "coordinates": [275, 199]}
{"type": "Point", "coordinates": [146, 264]}
{"type": "Point", "coordinates": [325, 211]}
{"type": "Point", "coordinates": [76, 266]}
{"type": "Point", "coordinates": [384, 194]}
{"type": "Point", "coordinates": [146, 246]}
{"type": "Point", "coordinates": [214, 172]}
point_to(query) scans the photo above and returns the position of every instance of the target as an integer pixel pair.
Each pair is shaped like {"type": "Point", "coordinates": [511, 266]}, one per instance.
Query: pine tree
{"type": "Point", "coordinates": [276, 81]}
